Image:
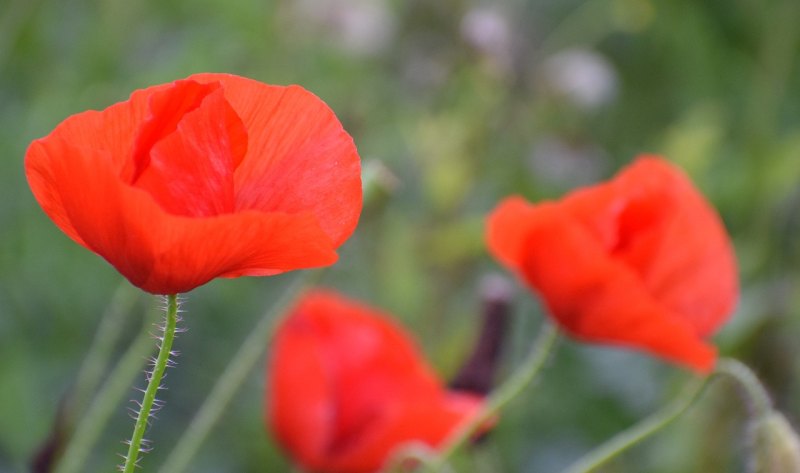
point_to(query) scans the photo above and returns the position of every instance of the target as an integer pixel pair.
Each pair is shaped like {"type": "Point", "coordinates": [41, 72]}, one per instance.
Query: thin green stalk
{"type": "Point", "coordinates": [153, 384]}
{"type": "Point", "coordinates": [94, 366]}
{"type": "Point", "coordinates": [229, 382]}
{"type": "Point", "coordinates": [520, 379]}
{"type": "Point", "coordinates": [738, 371]}
{"type": "Point", "coordinates": [760, 401]}
{"type": "Point", "coordinates": [644, 429]}
{"type": "Point", "coordinates": [106, 338]}
{"type": "Point", "coordinates": [104, 405]}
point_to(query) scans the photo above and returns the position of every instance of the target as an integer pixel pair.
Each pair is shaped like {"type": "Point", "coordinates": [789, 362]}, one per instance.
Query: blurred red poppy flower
{"type": "Point", "coordinates": [640, 261]}
{"type": "Point", "coordinates": [211, 176]}
{"type": "Point", "coordinates": [346, 386]}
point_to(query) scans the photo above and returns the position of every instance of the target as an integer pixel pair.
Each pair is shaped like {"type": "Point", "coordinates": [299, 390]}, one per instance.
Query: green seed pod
{"type": "Point", "coordinates": [776, 447]}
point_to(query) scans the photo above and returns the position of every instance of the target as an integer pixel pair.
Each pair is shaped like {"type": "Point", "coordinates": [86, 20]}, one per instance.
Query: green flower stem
{"type": "Point", "coordinates": [153, 384]}
{"type": "Point", "coordinates": [644, 429]}
{"type": "Point", "coordinates": [106, 338]}
{"type": "Point", "coordinates": [108, 398]}
{"type": "Point", "coordinates": [521, 378]}
{"type": "Point", "coordinates": [760, 401]}
{"type": "Point", "coordinates": [230, 381]}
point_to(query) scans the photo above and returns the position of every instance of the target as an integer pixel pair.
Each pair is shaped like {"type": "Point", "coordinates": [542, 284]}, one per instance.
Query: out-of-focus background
{"type": "Point", "coordinates": [453, 104]}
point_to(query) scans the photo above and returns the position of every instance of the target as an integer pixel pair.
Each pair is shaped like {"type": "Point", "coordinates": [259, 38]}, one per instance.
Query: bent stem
{"type": "Point", "coordinates": [760, 404]}
{"type": "Point", "coordinates": [521, 378]}
{"type": "Point", "coordinates": [153, 383]}
{"type": "Point", "coordinates": [644, 429]}
{"type": "Point", "coordinates": [230, 381]}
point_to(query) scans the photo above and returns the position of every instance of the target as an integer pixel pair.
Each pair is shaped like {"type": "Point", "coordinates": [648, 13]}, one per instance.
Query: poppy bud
{"type": "Point", "coordinates": [478, 372]}
{"type": "Point", "coordinates": [776, 447]}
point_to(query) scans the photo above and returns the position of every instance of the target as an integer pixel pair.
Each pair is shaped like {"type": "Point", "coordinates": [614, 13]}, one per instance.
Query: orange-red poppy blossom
{"type": "Point", "coordinates": [211, 176]}
{"type": "Point", "coordinates": [641, 261]}
{"type": "Point", "coordinates": [346, 387]}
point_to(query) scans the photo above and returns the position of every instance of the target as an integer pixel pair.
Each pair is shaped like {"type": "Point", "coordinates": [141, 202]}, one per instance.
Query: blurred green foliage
{"type": "Point", "coordinates": [463, 103]}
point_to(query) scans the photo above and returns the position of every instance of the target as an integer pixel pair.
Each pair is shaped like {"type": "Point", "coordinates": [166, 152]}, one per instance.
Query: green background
{"type": "Point", "coordinates": [462, 103]}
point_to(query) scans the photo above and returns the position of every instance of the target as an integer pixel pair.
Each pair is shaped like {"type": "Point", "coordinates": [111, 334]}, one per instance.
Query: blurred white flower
{"type": "Point", "coordinates": [582, 76]}
{"type": "Point", "coordinates": [359, 27]}
{"type": "Point", "coordinates": [488, 30]}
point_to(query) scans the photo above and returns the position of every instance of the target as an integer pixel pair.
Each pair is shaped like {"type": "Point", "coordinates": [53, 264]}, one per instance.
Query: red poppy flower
{"type": "Point", "coordinates": [641, 261]}
{"type": "Point", "coordinates": [346, 386]}
{"type": "Point", "coordinates": [211, 176]}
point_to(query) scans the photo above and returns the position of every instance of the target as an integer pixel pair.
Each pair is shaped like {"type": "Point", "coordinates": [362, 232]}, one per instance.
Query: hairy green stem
{"type": "Point", "coordinates": [229, 382]}
{"type": "Point", "coordinates": [520, 379]}
{"type": "Point", "coordinates": [153, 384]}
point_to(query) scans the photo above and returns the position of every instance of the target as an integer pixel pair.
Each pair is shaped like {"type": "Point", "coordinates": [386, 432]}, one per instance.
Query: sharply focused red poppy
{"type": "Point", "coordinates": [211, 176]}
{"type": "Point", "coordinates": [346, 387]}
{"type": "Point", "coordinates": [640, 261]}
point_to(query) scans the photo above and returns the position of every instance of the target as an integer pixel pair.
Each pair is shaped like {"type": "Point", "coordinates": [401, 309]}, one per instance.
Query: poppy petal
{"type": "Point", "coordinates": [166, 109]}
{"type": "Point", "coordinates": [112, 130]}
{"type": "Point", "coordinates": [160, 252]}
{"type": "Point", "coordinates": [299, 396]}
{"type": "Point", "coordinates": [597, 298]}
{"type": "Point", "coordinates": [507, 229]}
{"type": "Point", "coordinates": [697, 278]}
{"type": "Point", "coordinates": [640, 217]}
{"type": "Point", "coordinates": [194, 251]}
{"type": "Point", "coordinates": [371, 390]}
{"type": "Point", "coordinates": [426, 420]}
{"type": "Point", "coordinates": [119, 124]}
{"type": "Point", "coordinates": [74, 178]}
{"type": "Point", "coordinates": [299, 150]}
{"type": "Point", "coordinates": [181, 183]}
